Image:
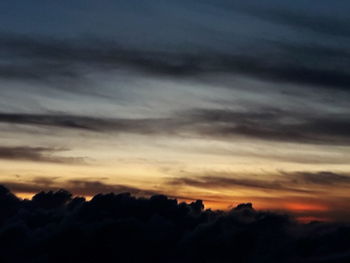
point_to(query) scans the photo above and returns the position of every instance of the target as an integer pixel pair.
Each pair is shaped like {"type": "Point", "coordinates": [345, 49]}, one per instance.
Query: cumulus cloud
{"type": "Point", "coordinates": [57, 227]}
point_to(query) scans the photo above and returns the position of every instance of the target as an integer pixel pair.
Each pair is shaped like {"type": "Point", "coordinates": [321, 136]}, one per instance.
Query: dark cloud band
{"type": "Point", "coordinates": [37, 154]}
{"type": "Point", "coordinates": [45, 59]}
{"type": "Point", "coordinates": [297, 182]}
{"type": "Point", "coordinates": [262, 124]}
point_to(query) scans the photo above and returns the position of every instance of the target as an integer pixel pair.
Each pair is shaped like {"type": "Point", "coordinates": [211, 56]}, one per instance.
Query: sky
{"type": "Point", "coordinates": [224, 101]}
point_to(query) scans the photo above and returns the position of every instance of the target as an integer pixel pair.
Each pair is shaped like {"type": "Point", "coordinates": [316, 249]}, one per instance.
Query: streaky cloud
{"type": "Point", "coordinates": [274, 125]}
{"type": "Point", "coordinates": [76, 186]}
{"type": "Point", "coordinates": [92, 124]}
{"type": "Point", "coordinates": [330, 26]}
{"type": "Point", "coordinates": [297, 182]}
{"type": "Point", "coordinates": [326, 178]}
{"type": "Point", "coordinates": [37, 154]}
{"type": "Point", "coordinates": [263, 124]}
{"type": "Point", "coordinates": [50, 59]}
{"type": "Point", "coordinates": [217, 182]}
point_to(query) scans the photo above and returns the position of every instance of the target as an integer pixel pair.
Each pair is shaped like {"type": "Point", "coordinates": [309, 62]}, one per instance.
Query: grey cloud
{"type": "Point", "coordinates": [321, 178]}
{"type": "Point", "coordinates": [217, 181]}
{"type": "Point", "coordinates": [264, 124]}
{"type": "Point", "coordinates": [275, 125]}
{"type": "Point", "coordinates": [43, 59]}
{"type": "Point", "coordinates": [332, 26]}
{"type": "Point", "coordinates": [36, 154]}
{"type": "Point", "coordinates": [297, 182]}
{"type": "Point", "coordinates": [93, 124]}
{"type": "Point", "coordinates": [93, 187]}
{"type": "Point", "coordinates": [76, 186]}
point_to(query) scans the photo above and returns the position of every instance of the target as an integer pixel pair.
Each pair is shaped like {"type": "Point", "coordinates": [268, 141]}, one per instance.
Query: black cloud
{"type": "Point", "coordinates": [56, 227]}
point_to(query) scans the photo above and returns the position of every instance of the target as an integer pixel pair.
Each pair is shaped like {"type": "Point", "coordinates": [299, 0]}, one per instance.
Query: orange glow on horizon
{"type": "Point", "coordinates": [24, 195]}
{"type": "Point", "coordinates": [291, 207]}
{"type": "Point", "coordinates": [305, 207]}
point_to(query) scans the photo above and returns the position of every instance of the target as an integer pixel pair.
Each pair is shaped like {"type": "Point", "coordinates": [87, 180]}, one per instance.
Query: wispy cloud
{"type": "Point", "coordinates": [37, 154]}
{"type": "Point", "coordinates": [44, 59]}
{"type": "Point", "coordinates": [328, 25]}
{"type": "Point", "coordinates": [275, 125]}
{"type": "Point", "coordinates": [76, 186]}
{"type": "Point", "coordinates": [264, 124]}
{"type": "Point", "coordinates": [220, 183]}
{"type": "Point", "coordinates": [323, 178]}
{"type": "Point", "coordinates": [297, 182]}
{"type": "Point", "coordinates": [94, 124]}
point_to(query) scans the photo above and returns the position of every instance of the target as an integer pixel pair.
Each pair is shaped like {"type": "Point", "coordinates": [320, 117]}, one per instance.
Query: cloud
{"type": "Point", "coordinates": [263, 124]}
{"type": "Point", "coordinates": [292, 182]}
{"type": "Point", "coordinates": [330, 26]}
{"type": "Point", "coordinates": [76, 186]}
{"type": "Point", "coordinates": [92, 124]}
{"type": "Point", "coordinates": [46, 59]}
{"type": "Point", "coordinates": [274, 125]}
{"type": "Point", "coordinates": [36, 154]}
{"type": "Point", "coordinates": [231, 182]}
{"type": "Point", "coordinates": [56, 227]}
{"type": "Point", "coordinates": [141, 126]}
{"type": "Point", "coordinates": [321, 178]}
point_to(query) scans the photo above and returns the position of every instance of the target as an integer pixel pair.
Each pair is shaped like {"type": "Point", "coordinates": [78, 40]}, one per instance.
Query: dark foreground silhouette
{"type": "Point", "coordinates": [55, 227]}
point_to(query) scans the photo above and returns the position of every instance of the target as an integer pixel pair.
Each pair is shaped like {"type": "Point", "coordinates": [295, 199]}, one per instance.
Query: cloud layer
{"type": "Point", "coordinates": [29, 58]}
{"type": "Point", "coordinates": [36, 154]}
{"type": "Point", "coordinates": [264, 124]}
{"type": "Point", "coordinates": [55, 227]}
{"type": "Point", "coordinates": [227, 99]}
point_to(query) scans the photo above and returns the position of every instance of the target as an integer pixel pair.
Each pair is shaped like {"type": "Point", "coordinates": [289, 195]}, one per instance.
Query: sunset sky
{"type": "Point", "coordinates": [225, 101]}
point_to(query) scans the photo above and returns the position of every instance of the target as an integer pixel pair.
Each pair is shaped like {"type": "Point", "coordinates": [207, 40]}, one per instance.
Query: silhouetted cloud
{"type": "Point", "coordinates": [36, 154]}
{"type": "Point", "coordinates": [57, 227]}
